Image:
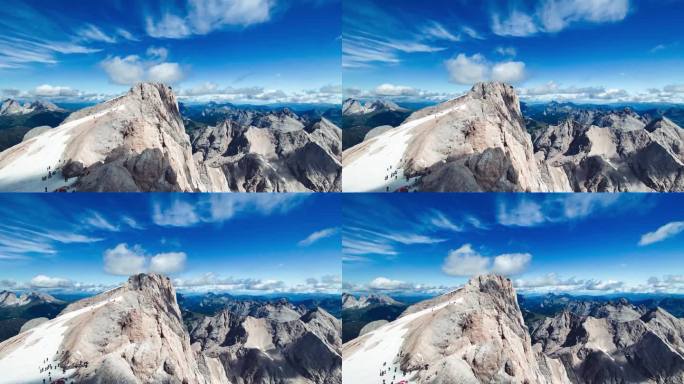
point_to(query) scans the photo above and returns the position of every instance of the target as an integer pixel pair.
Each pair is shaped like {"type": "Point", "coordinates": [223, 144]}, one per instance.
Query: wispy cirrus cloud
{"type": "Point", "coordinates": [552, 16]}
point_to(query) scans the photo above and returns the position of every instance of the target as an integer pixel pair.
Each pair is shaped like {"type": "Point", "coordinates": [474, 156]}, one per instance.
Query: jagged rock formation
{"type": "Point", "coordinates": [136, 334]}
{"type": "Point", "coordinates": [476, 142]}
{"type": "Point", "coordinates": [479, 142]}
{"type": "Point", "coordinates": [10, 299]}
{"type": "Point", "coordinates": [354, 107]}
{"type": "Point", "coordinates": [277, 154]}
{"type": "Point", "coordinates": [615, 344]}
{"type": "Point", "coordinates": [475, 334]}
{"type": "Point", "coordinates": [351, 302]}
{"type": "Point", "coordinates": [137, 142]}
{"type": "Point", "coordinates": [614, 152]}
{"type": "Point", "coordinates": [131, 334]}
{"type": "Point", "coordinates": [10, 107]}
{"type": "Point", "coordinates": [271, 348]}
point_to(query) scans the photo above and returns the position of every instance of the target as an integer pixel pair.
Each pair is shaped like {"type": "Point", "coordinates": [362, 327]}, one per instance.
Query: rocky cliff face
{"type": "Point", "coordinates": [477, 142]}
{"type": "Point", "coordinates": [616, 344]}
{"type": "Point", "coordinates": [272, 348]}
{"type": "Point", "coordinates": [278, 154]}
{"type": "Point", "coordinates": [132, 334]}
{"type": "Point", "coordinates": [473, 335]}
{"type": "Point", "coordinates": [614, 152]}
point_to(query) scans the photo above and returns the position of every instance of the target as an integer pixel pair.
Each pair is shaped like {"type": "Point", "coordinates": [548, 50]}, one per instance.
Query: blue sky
{"type": "Point", "coordinates": [241, 243]}
{"type": "Point", "coordinates": [578, 243]}
{"type": "Point", "coordinates": [579, 50]}
{"type": "Point", "coordinates": [255, 51]}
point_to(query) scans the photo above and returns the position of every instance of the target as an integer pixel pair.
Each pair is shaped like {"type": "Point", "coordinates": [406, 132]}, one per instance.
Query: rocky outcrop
{"type": "Point", "coordinates": [615, 344]}
{"type": "Point", "coordinates": [377, 131]}
{"type": "Point", "coordinates": [272, 349]}
{"type": "Point", "coordinates": [614, 152]}
{"type": "Point", "coordinates": [372, 326]}
{"type": "Point", "coordinates": [131, 334]}
{"type": "Point", "coordinates": [475, 334]}
{"type": "Point", "coordinates": [476, 142]}
{"type": "Point", "coordinates": [276, 155]}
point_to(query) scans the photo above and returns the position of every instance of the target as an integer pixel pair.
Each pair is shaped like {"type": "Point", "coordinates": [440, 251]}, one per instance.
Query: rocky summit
{"type": "Point", "coordinates": [138, 143]}
{"type": "Point", "coordinates": [136, 334]}
{"type": "Point", "coordinates": [615, 344]}
{"type": "Point", "coordinates": [479, 142]}
{"type": "Point", "coordinates": [475, 334]}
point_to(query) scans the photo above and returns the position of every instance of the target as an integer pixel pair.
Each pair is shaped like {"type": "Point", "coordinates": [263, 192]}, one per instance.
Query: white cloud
{"type": "Point", "coordinates": [126, 35]}
{"type": "Point", "coordinates": [125, 261]}
{"type": "Point", "coordinates": [93, 33]}
{"type": "Point", "coordinates": [205, 16]}
{"type": "Point", "coordinates": [217, 208]}
{"type": "Point", "coordinates": [511, 263]}
{"type": "Point", "coordinates": [509, 72]}
{"type": "Point", "coordinates": [664, 232]}
{"type": "Point", "coordinates": [355, 247]}
{"type": "Point", "coordinates": [42, 281]}
{"type": "Point", "coordinates": [527, 212]}
{"type": "Point", "coordinates": [506, 51]}
{"type": "Point", "coordinates": [212, 282]}
{"type": "Point", "coordinates": [441, 221]}
{"type": "Point", "coordinates": [553, 16]}
{"type": "Point", "coordinates": [178, 214]}
{"type": "Point", "coordinates": [124, 71]}
{"type": "Point", "coordinates": [553, 283]}
{"type": "Point", "coordinates": [47, 90]}
{"type": "Point", "coordinates": [437, 31]}
{"type": "Point", "coordinates": [167, 263]}
{"type": "Point", "coordinates": [469, 70]}
{"type": "Point", "coordinates": [383, 283]}
{"type": "Point", "coordinates": [96, 220]}
{"type": "Point", "coordinates": [318, 235]}
{"type": "Point", "coordinates": [465, 261]}
{"type": "Point", "coordinates": [395, 90]}
{"type": "Point", "coordinates": [157, 53]}
{"type": "Point", "coordinates": [168, 73]}
{"type": "Point", "coordinates": [133, 69]}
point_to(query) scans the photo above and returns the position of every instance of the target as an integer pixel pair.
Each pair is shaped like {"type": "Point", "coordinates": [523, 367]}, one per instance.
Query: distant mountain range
{"type": "Point", "coordinates": [483, 142]}
{"type": "Point", "coordinates": [17, 310]}
{"type": "Point", "coordinates": [17, 119]}
{"type": "Point", "coordinates": [358, 118]}
{"type": "Point", "coordinates": [477, 334]}
{"type": "Point", "coordinates": [140, 142]}
{"type": "Point", "coordinates": [138, 333]}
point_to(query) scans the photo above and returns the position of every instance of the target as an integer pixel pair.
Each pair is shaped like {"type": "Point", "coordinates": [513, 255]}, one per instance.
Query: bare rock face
{"type": "Point", "coordinates": [132, 334]}
{"type": "Point", "coordinates": [615, 345]}
{"type": "Point", "coordinates": [615, 152]}
{"type": "Point", "coordinates": [351, 302]}
{"type": "Point", "coordinates": [473, 335]}
{"type": "Point", "coordinates": [276, 155]}
{"type": "Point", "coordinates": [272, 349]}
{"type": "Point", "coordinates": [135, 142]}
{"type": "Point", "coordinates": [476, 142]}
